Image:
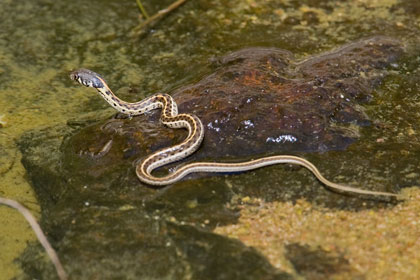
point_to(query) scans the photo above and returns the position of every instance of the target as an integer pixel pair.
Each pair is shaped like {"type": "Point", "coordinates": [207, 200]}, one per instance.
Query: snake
{"type": "Point", "coordinates": [171, 118]}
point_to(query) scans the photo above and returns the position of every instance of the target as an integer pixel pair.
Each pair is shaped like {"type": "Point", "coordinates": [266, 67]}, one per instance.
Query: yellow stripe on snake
{"type": "Point", "coordinates": [192, 123]}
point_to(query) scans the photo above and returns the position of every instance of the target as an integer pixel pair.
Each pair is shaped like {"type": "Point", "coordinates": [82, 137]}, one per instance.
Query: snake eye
{"type": "Point", "coordinates": [74, 77]}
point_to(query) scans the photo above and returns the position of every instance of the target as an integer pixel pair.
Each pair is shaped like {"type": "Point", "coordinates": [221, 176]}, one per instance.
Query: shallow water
{"type": "Point", "coordinates": [43, 40]}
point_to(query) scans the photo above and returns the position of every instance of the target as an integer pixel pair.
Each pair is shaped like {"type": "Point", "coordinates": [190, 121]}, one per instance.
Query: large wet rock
{"type": "Point", "coordinates": [263, 99]}
{"type": "Point", "coordinates": [106, 225]}
{"type": "Point", "coordinates": [257, 101]}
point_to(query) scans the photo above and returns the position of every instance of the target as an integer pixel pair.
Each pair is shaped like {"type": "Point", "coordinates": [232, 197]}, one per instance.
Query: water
{"type": "Point", "coordinates": [41, 41]}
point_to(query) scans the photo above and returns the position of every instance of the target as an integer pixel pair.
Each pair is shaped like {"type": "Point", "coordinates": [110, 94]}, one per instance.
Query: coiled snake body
{"type": "Point", "coordinates": [192, 123]}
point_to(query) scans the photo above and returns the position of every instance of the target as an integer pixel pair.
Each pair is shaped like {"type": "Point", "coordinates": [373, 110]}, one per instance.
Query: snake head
{"type": "Point", "coordinates": [88, 78]}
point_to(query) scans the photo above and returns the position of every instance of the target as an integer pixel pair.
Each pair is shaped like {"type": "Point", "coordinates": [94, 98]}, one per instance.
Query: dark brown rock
{"type": "Point", "coordinates": [257, 101]}
{"type": "Point", "coordinates": [262, 99]}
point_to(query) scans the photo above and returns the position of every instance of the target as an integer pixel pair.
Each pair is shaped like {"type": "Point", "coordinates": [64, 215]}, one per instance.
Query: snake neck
{"type": "Point", "coordinates": [160, 100]}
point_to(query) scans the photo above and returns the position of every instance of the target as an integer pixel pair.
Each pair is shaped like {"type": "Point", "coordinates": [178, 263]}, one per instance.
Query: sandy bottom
{"type": "Point", "coordinates": [378, 244]}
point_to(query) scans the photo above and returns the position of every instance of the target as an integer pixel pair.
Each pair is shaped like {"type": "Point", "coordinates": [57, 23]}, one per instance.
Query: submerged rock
{"type": "Point", "coordinates": [105, 224]}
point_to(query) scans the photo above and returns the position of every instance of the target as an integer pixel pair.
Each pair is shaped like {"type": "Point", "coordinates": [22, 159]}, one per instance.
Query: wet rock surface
{"type": "Point", "coordinates": [105, 224]}
{"type": "Point", "coordinates": [263, 100]}
{"type": "Point", "coordinates": [108, 227]}
{"type": "Point", "coordinates": [258, 101]}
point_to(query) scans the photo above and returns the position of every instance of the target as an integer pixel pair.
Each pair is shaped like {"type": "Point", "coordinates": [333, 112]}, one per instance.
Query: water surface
{"type": "Point", "coordinates": [42, 40]}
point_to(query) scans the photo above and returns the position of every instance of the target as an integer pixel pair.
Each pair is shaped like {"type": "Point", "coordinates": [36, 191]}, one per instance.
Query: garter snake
{"type": "Point", "coordinates": [193, 124]}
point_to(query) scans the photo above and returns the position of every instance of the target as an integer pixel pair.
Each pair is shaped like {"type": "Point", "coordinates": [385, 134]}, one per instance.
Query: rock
{"type": "Point", "coordinates": [258, 101]}
{"type": "Point", "coordinates": [262, 100]}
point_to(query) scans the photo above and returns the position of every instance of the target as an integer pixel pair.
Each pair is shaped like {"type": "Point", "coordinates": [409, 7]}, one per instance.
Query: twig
{"type": "Point", "coordinates": [142, 9]}
{"type": "Point", "coordinates": [156, 17]}
{"type": "Point", "coordinates": [39, 234]}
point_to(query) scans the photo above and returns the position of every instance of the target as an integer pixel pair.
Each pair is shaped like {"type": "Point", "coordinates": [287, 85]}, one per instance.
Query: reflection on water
{"type": "Point", "coordinates": [282, 139]}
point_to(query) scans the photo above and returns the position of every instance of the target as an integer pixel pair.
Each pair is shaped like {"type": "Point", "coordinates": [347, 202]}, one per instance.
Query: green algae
{"type": "Point", "coordinates": [43, 40]}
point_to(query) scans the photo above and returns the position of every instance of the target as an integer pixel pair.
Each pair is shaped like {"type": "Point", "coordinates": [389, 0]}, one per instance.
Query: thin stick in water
{"type": "Point", "coordinates": [39, 234]}
{"type": "Point", "coordinates": [142, 9]}
{"type": "Point", "coordinates": [156, 17]}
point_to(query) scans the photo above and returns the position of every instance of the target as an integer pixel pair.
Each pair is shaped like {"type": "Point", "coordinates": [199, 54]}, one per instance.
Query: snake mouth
{"type": "Point", "coordinates": [73, 76]}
